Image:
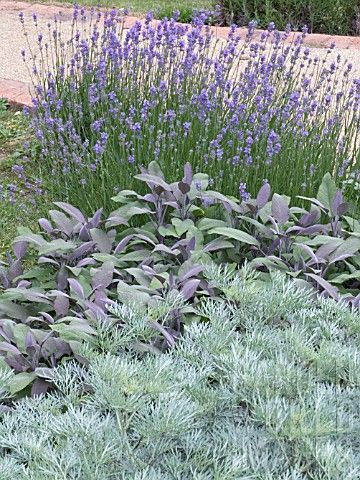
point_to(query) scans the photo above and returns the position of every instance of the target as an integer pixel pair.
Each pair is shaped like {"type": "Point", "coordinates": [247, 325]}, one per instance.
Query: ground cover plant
{"type": "Point", "coordinates": [156, 250]}
{"type": "Point", "coordinates": [17, 189]}
{"type": "Point", "coordinates": [110, 100]}
{"type": "Point", "coordinates": [265, 385]}
{"type": "Point", "coordinates": [334, 17]}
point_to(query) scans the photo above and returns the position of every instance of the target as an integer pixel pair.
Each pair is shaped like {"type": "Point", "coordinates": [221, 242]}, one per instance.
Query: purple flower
{"type": "Point", "coordinates": [273, 144]}
{"type": "Point", "coordinates": [186, 126]}
{"type": "Point", "coordinates": [97, 124]}
{"type": "Point", "coordinates": [149, 17]}
{"type": "Point", "coordinates": [198, 185]}
{"type": "Point", "coordinates": [244, 195]}
{"type": "Point", "coordinates": [18, 170]}
{"type": "Point", "coordinates": [103, 138]}
{"type": "Point", "coordinates": [207, 202]}
{"type": "Point", "coordinates": [98, 149]}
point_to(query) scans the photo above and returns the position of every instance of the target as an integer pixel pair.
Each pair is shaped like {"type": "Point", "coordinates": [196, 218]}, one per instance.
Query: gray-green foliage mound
{"type": "Point", "coordinates": [265, 387]}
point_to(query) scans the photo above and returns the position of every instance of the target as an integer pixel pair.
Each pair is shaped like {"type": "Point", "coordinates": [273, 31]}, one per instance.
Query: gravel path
{"type": "Point", "coordinates": [12, 39]}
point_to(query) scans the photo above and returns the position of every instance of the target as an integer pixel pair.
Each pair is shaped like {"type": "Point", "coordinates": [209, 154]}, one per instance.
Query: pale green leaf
{"type": "Point", "coordinates": [238, 235]}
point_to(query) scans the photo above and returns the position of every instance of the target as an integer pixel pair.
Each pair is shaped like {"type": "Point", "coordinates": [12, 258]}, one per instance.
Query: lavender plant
{"type": "Point", "coordinates": [241, 110]}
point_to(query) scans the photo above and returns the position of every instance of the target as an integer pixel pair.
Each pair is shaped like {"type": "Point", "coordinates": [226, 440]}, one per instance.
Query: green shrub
{"type": "Point", "coordinates": [335, 17]}
{"type": "Point", "coordinates": [267, 386]}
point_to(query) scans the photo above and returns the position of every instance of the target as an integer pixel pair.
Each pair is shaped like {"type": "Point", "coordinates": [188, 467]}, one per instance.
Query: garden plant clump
{"type": "Point", "coordinates": [264, 386]}
{"type": "Point", "coordinates": [242, 110]}
{"type": "Point", "coordinates": [334, 17]}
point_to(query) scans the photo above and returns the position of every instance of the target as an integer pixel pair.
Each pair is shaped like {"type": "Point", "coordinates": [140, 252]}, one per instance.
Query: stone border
{"type": "Point", "coordinates": [18, 93]}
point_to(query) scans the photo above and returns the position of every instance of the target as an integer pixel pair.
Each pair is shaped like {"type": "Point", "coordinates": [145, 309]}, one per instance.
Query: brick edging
{"type": "Point", "coordinates": [18, 93]}
{"type": "Point", "coordinates": [48, 11]}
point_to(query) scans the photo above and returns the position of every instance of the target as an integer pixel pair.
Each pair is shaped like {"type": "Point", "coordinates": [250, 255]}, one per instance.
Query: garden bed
{"type": "Point", "coordinates": [189, 305]}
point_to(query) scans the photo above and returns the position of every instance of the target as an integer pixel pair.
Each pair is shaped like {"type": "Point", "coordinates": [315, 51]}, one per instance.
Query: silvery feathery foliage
{"type": "Point", "coordinates": [265, 387]}
{"type": "Point", "coordinates": [5, 376]}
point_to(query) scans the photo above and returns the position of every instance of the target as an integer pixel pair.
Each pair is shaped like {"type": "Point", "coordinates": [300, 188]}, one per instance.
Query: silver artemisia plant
{"type": "Point", "coordinates": [265, 384]}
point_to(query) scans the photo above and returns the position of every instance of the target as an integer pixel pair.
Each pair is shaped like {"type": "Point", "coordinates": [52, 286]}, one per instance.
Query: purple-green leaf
{"type": "Point", "coordinates": [191, 272]}
{"type": "Point", "coordinates": [72, 211]}
{"type": "Point", "coordinates": [39, 387]}
{"type": "Point", "coordinates": [190, 288]}
{"type": "Point", "coordinates": [8, 348]}
{"type": "Point", "coordinates": [122, 244]}
{"type": "Point", "coordinates": [153, 181]}
{"type": "Point", "coordinates": [61, 305]}
{"type": "Point", "coordinates": [327, 191]}
{"type": "Point", "coordinates": [279, 209]}
{"type": "Point", "coordinates": [188, 173]}
{"type": "Point", "coordinates": [103, 277]}
{"type": "Point", "coordinates": [330, 289]}
{"type": "Point", "coordinates": [263, 195]}
{"type": "Point", "coordinates": [170, 340]}
{"type": "Point", "coordinates": [217, 244]}
{"type": "Point", "coordinates": [184, 187]}
{"type": "Point", "coordinates": [102, 240]}
{"type": "Point", "coordinates": [20, 248]}
{"type": "Point", "coordinates": [76, 287]}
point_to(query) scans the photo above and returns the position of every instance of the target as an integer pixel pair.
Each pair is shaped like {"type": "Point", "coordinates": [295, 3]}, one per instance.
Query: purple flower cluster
{"type": "Point", "coordinates": [244, 194]}
{"type": "Point", "coordinates": [23, 187]}
{"type": "Point", "coordinates": [163, 91]}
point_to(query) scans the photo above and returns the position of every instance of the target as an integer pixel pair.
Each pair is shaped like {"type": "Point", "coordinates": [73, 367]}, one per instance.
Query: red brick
{"type": "Point", "coordinates": [16, 93]}
{"type": "Point", "coordinates": [49, 11]}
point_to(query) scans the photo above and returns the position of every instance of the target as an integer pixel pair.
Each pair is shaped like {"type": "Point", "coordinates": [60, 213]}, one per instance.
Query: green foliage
{"type": "Point", "coordinates": [336, 17]}
{"type": "Point", "coordinates": [267, 386]}
{"type": "Point", "coordinates": [84, 264]}
{"type": "Point", "coordinates": [155, 250]}
{"type": "Point", "coordinates": [12, 125]}
{"type": "Point", "coordinates": [160, 8]}
{"type": "Point", "coordinates": [320, 245]}
{"type": "Point", "coordinates": [18, 206]}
